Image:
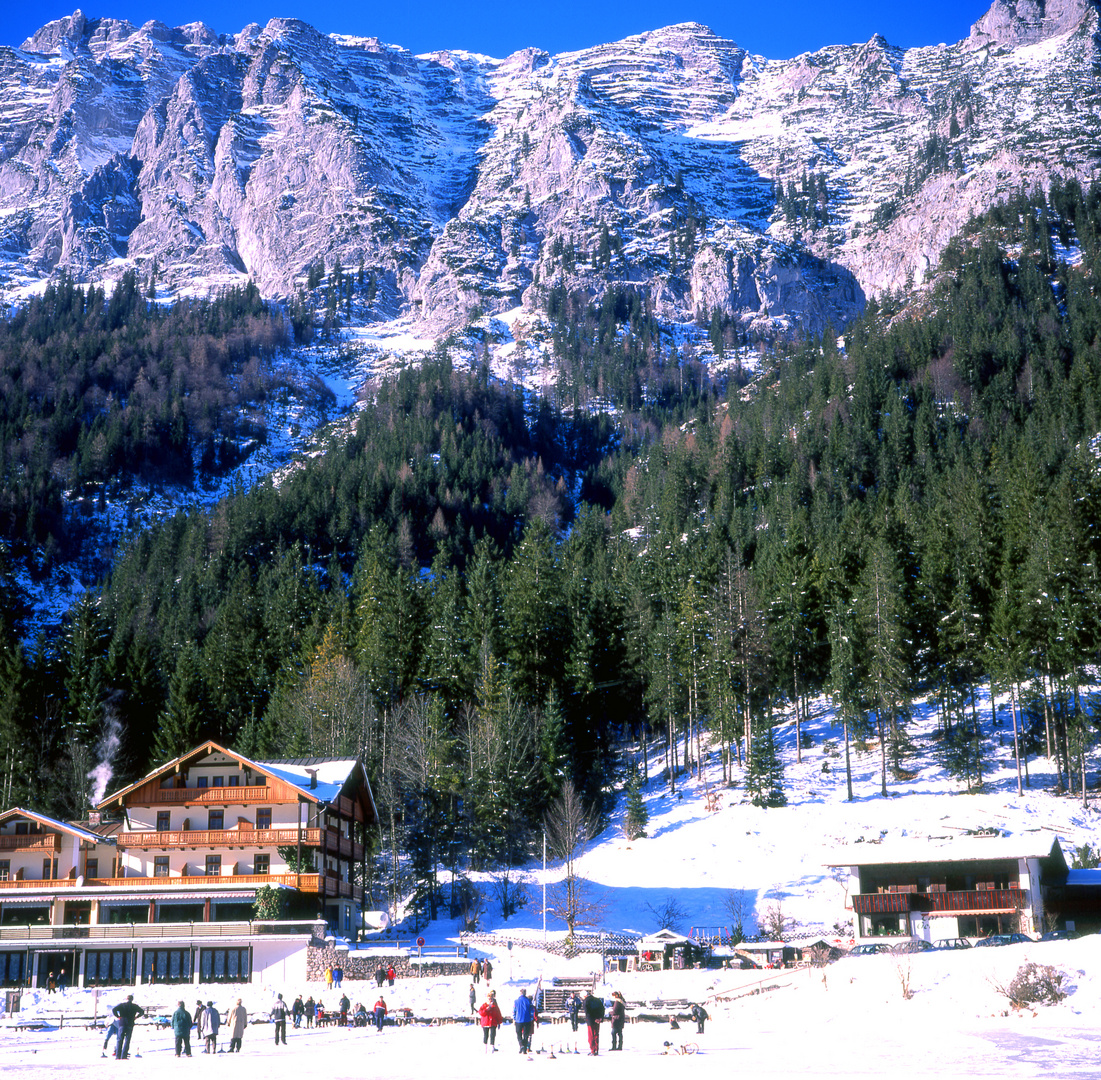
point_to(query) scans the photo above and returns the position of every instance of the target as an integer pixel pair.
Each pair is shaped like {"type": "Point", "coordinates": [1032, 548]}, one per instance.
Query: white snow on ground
{"type": "Point", "coordinates": [846, 1020]}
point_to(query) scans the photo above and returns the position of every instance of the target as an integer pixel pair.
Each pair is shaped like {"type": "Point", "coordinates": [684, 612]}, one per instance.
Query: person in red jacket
{"type": "Point", "coordinates": [380, 1014]}
{"type": "Point", "coordinates": [490, 1012]}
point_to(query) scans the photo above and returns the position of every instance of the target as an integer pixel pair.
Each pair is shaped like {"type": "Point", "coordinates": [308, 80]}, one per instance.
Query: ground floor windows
{"type": "Point", "coordinates": [224, 965]}
{"type": "Point", "coordinates": [13, 968]}
{"type": "Point", "coordinates": [166, 965]}
{"type": "Point", "coordinates": [109, 966]}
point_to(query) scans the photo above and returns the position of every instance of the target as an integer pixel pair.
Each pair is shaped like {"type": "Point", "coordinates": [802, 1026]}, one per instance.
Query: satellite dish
{"type": "Point", "coordinates": [80, 881]}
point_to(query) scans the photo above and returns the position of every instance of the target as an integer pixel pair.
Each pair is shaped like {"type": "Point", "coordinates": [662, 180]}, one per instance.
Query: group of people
{"type": "Point", "coordinates": [207, 1021]}
{"type": "Point", "coordinates": [386, 975]}
{"type": "Point", "coordinates": [481, 969]}
{"type": "Point", "coordinates": [334, 976]}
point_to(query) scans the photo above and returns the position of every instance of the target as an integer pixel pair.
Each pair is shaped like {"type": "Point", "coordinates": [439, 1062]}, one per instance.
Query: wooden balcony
{"type": "Point", "coordinates": [945, 903]}
{"type": "Point", "coordinates": [217, 796]}
{"type": "Point", "coordinates": [31, 842]}
{"type": "Point", "coordinates": [219, 838]}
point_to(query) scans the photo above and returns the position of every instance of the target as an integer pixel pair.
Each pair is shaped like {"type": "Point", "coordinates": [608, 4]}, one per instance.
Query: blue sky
{"type": "Point", "coordinates": [778, 30]}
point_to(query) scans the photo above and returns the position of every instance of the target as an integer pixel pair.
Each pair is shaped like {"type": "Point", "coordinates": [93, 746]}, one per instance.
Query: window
{"type": "Point", "coordinates": [216, 820]}
{"type": "Point", "coordinates": [164, 820]}
{"type": "Point", "coordinates": [263, 817]}
{"type": "Point", "coordinates": [5, 869]}
{"type": "Point", "coordinates": [260, 864]}
{"type": "Point", "coordinates": [47, 864]}
{"type": "Point", "coordinates": [219, 781]}
{"type": "Point", "coordinates": [160, 866]}
{"type": "Point", "coordinates": [21, 828]}
{"type": "Point", "coordinates": [91, 868]}
{"type": "Point", "coordinates": [234, 781]}
{"type": "Point", "coordinates": [213, 865]}
{"type": "Point", "coordinates": [202, 782]}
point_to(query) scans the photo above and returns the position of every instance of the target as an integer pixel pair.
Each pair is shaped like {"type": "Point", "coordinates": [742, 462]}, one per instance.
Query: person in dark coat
{"type": "Point", "coordinates": [311, 1010]}
{"type": "Point", "coordinates": [181, 1028]}
{"type": "Point", "coordinates": [279, 1013]}
{"type": "Point", "coordinates": [699, 1014]}
{"type": "Point", "coordinates": [523, 1017]}
{"type": "Point", "coordinates": [380, 976]}
{"type": "Point", "coordinates": [573, 1011]}
{"type": "Point", "coordinates": [487, 969]}
{"type": "Point", "coordinates": [593, 1008]}
{"type": "Point", "coordinates": [619, 1018]}
{"type": "Point", "coordinates": [473, 996]}
{"type": "Point", "coordinates": [298, 1010]}
{"type": "Point", "coordinates": [127, 1012]}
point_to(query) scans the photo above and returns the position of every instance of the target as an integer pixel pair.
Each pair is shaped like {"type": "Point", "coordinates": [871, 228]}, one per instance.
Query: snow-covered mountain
{"type": "Point", "coordinates": [674, 162]}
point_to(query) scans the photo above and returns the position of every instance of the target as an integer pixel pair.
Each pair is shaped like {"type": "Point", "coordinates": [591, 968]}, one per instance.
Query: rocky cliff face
{"type": "Point", "coordinates": [672, 164]}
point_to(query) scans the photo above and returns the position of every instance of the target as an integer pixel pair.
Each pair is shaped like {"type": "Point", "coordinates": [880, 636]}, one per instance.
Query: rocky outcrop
{"type": "Point", "coordinates": [672, 164]}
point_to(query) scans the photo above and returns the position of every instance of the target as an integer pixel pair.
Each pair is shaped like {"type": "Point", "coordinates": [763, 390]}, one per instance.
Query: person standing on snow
{"type": "Point", "coordinates": [699, 1014]}
{"type": "Point", "coordinates": [127, 1012]}
{"type": "Point", "coordinates": [181, 1028]}
{"type": "Point", "coordinates": [491, 1017]}
{"type": "Point", "coordinates": [380, 1014]}
{"type": "Point", "coordinates": [279, 1013]}
{"type": "Point", "coordinates": [297, 1010]}
{"type": "Point", "coordinates": [523, 1016]}
{"type": "Point", "coordinates": [619, 1018]}
{"type": "Point", "coordinates": [238, 1021]}
{"type": "Point", "coordinates": [593, 1008]}
{"type": "Point", "coordinates": [212, 1023]}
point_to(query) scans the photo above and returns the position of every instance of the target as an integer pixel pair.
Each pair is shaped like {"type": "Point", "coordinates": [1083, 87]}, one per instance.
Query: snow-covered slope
{"type": "Point", "coordinates": [464, 184]}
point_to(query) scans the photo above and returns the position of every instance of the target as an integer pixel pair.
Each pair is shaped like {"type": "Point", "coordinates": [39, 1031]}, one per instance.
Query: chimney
{"type": "Point", "coordinates": [313, 779]}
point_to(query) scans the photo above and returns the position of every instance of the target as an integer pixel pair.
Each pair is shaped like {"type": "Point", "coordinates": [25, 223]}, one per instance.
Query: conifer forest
{"type": "Point", "coordinates": [488, 595]}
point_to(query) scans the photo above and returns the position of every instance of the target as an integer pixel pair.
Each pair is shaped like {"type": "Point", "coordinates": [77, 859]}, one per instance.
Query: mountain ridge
{"type": "Point", "coordinates": [672, 163]}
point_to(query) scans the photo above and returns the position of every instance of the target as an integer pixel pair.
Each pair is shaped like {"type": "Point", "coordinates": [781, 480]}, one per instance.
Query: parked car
{"type": "Point", "coordinates": [951, 943]}
{"type": "Point", "coordinates": [869, 950]}
{"type": "Point", "coordinates": [1059, 935]}
{"type": "Point", "coordinates": [914, 945]}
{"type": "Point", "coordinates": [1001, 939]}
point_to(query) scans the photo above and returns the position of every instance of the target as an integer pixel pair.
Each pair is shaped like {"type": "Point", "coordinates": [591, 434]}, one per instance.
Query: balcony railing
{"type": "Point", "coordinates": [302, 882]}
{"type": "Point", "coordinates": [220, 796]}
{"type": "Point", "coordinates": [28, 842]}
{"type": "Point", "coordinates": [891, 903]}
{"type": "Point", "coordinates": [218, 838]}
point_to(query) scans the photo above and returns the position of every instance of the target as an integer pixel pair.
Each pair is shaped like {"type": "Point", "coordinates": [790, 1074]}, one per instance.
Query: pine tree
{"type": "Point", "coordinates": [764, 779]}
{"type": "Point", "coordinates": [637, 816]}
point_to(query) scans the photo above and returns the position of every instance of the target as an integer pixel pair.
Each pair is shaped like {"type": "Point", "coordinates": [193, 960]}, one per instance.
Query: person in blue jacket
{"type": "Point", "coordinates": [523, 1017]}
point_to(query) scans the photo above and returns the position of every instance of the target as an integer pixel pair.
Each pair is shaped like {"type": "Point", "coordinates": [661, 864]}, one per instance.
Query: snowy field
{"type": "Point", "coordinates": [848, 1019]}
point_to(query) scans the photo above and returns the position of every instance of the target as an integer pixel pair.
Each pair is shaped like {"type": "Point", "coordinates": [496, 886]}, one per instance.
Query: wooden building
{"type": "Point", "coordinates": [161, 885]}
{"type": "Point", "coordinates": [969, 887]}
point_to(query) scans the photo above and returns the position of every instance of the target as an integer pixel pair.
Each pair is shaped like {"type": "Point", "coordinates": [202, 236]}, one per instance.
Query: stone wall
{"type": "Point", "coordinates": [362, 966]}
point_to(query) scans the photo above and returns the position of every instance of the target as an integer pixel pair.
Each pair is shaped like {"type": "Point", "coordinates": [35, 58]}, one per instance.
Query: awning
{"type": "Point", "coordinates": [130, 899]}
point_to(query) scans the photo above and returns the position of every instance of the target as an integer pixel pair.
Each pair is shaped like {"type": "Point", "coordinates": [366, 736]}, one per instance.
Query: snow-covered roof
{"type": "Point", "coordinates": [664, 937]}
{"type": "Point", "coordinates": [331, 776]}
{"type": "Point", "coordinates": [952, 849]}
{"type": "Point", "coordinates": [52, 823]}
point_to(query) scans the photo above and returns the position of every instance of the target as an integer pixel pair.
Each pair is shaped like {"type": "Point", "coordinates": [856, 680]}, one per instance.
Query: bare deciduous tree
{"type": "Point", "coordinates": [570, 827]}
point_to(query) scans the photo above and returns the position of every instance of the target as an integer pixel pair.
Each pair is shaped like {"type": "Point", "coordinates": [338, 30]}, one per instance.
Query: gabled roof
{"type": "Point", "coordinates": [663, 937]}
{"type": "Point", "coordinates": [954, 849]}
{"type": "Point", "coordinates": [61, 826]}
{"type": "Point", "coordinates": [332, 777]}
